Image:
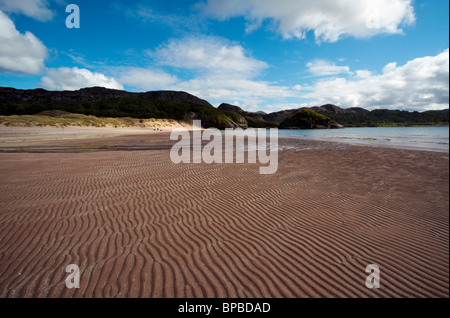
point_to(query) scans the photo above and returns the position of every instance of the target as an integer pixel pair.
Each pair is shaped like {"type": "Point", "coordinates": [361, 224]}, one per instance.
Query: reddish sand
{"type": "Point", "coordinates": [138, 225]}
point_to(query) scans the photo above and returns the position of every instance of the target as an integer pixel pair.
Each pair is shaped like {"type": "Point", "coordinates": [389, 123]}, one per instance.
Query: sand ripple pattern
{"type": "Point", "coordinates": [138, 225]}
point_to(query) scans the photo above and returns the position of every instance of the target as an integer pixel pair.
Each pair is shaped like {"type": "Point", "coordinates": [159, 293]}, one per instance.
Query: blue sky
{"type": "Point", "coordinates": [259, 54]}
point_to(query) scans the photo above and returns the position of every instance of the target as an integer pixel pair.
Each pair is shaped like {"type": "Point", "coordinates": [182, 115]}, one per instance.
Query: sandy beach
{"type": "Point", "coordinates": [138, 225]}
{"type": "Point", "coordinates": [22, 136]}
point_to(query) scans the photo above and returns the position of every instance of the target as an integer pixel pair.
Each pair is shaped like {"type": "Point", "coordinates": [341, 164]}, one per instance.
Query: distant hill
{"type": "Point", "coordinates": [237, 109]}
{"type": "Point", "coordinates": [360, 117]}
{"type": "Point", "coordinates": [278, 117]}
{"type": "Point", "coordinates": [92, 94]}
{"type": "Point", "coordinates": [333, 109]}
{"type": "Point", "coordinates": [309, 119]}
{"type": "Point", "coordinates": [294, 118]}
{"type": "Point", "coordinates": [255, 120]}
{"type": "Point", "coordinates": [103, 102]}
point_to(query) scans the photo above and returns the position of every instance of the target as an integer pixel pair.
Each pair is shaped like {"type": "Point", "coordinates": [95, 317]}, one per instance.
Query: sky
{"type": "Point", "coordinates": [262, 55]}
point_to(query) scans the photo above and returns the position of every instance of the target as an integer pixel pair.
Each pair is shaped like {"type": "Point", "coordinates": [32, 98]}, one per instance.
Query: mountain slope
{"type": "Point", "coordinates": [92, 94]}
{"type": "Point", "coordinates": [255, 120]}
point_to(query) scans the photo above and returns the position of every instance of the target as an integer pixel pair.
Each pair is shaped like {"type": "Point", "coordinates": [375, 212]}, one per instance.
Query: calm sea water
{"type": "Point", "coordinates": [419, 138]}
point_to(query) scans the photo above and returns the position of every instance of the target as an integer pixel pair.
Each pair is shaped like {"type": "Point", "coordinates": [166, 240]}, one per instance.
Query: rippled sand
{"type": "Point", "coordinates": [138, 225]}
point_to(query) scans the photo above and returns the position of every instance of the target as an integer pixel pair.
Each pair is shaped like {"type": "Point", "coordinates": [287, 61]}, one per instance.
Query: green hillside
{"type": "Point", "coordinates": [131, 107]}
{"type": "Point", "coordinates": [309, 119]}
{"type": "Point", "coordinates": [384, 118]}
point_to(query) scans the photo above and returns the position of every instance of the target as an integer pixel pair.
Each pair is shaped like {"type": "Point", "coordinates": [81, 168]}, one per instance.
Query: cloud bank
{"type": "Point", "coordinates": [330, 20]}
{"type": "Point", "coordinates": [420, 84]}
{"type": "Point", "coordinates": [65, 78]}
{"type": "Point", "coordinates": [145, 78]}
{"type": "Point", "coordinates": [321, 67]}
{"type": "Point", "coordinates": [19, 52]}
{"type": "Point", "coordinates": [210, 67]}
{"type": "Point", "coordinates": [208, 54]}
{"type": "Point", "coordinates": [37, 9]}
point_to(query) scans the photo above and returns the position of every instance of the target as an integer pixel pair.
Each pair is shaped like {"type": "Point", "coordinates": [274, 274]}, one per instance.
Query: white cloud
{"type": "Point", "coordinates": [325, 68]}
{"type": "Point", "coordinates": [247, 92]}
{"type": "Point", "coordinates": [147, 79]}
{"type": "Point", "coordinates": [216, 88]}
{"type": "Point", "coordinates": [270, 108]}
{"type": "Point", "coordinates": [213, 69]}
{"type": "Point", "coordinates": [329, 19]}
{"type": "Point", "coordinates": [19, 52]}
{"type": "Point", "coordinates": [420, 84]}
{"type": "Point", "coordinates": [37, 9]}
{"type": "Point", "coordinates": [363, 73]}
{"type": "Point", "coordinates": [207, 54]}
{"type": "Point", "coordinates": [65, 78]}
{"type": "Point", "coordinates": [389, 67]}
{"type": "Point", "coordinates": [147, 13]}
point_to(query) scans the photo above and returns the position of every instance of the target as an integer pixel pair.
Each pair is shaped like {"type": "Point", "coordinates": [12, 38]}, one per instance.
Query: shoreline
{"type": "Point", "coordinates": [383, 138]}
{"type": "Point", "coordinates": [15, 139]}
{"type": "Point", "coordinates": [399, 147]}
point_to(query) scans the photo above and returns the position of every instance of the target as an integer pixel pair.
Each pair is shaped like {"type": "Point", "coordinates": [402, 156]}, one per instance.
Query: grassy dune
{"type": "Point", "coordinates": [65, 119]}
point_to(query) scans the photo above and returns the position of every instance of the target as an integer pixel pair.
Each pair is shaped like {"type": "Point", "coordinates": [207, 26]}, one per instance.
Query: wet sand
{"type": "Point", "coordinates": [138, 225]}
